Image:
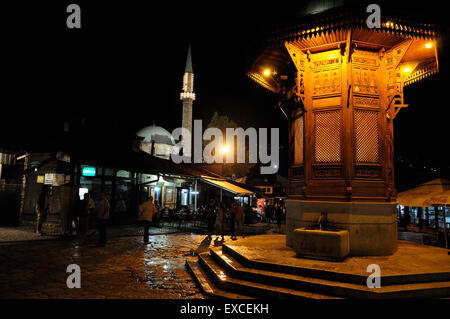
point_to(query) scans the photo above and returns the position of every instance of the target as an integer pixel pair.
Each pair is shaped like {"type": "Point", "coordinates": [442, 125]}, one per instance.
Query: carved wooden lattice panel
{"type": "Point", "coordinates": [298, 141]}
{"type": "Point", "coordinates": [327, 133]}
{"type": "Point", "coordinates": [367, 142]}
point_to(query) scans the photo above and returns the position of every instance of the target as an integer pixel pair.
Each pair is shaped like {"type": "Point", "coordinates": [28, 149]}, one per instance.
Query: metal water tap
{"type": "Point", "coordinates": [323, 219]}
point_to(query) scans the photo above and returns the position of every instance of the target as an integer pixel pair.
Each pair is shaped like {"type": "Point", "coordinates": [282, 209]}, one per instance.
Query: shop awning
{"type": "Point", "coordinates": [435, 192]}
{"type": "Point", "coordinates": [228, 186]}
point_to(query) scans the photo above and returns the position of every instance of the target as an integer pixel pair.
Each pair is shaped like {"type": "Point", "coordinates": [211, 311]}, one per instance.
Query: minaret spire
{"type": "Point", "coordinates": [188, 96]}
{"type": "Point", "coordinates": [188, 68]}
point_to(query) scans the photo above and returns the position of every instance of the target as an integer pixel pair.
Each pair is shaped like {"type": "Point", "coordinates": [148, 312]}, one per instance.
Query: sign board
{"type": "Point", "coordinates": [59, 180]}
{"type": "Point", "coordinates": [48, 179]}
{"type": "Point", "coordinates": [54, 179]}
{"type": "Point", "coordinates": [40, 179]}
{"type": "Point", "coordinates": [89, 171]}
{"type": "Point", "coordinates": [82, 191]}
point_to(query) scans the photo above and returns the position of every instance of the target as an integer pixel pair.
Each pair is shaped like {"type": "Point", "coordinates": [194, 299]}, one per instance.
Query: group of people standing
{"type": "Point", "coordinates": [218, 215]}
{"type": "Point", "coordinates": [88, 209]}
{"type": "Point", "coordinates": [85, 212]}
{"type": "Point", "coordinates": [274, 212]}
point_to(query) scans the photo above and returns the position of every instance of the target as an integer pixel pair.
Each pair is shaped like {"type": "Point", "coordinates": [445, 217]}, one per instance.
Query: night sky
{"type": "Point", "coordinates": [123, 71]}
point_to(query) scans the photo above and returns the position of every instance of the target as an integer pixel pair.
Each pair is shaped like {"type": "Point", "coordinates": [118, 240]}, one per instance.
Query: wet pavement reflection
{"type": "Point", "coordinates": [125, 268]}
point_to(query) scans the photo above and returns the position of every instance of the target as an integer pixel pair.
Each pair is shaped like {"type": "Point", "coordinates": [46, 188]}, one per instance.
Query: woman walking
{"type": "Point", "coordinates": [220, 220]}
{"type": "Point", "coordinates": [211, 212]}
{"type": "Point", "coordinates": [279, 215]}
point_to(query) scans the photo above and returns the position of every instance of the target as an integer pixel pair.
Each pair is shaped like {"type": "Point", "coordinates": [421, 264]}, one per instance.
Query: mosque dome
{"type": "Point", "coordinates": [156, 134]}
{"type": "Point", "coordinates": [317, 6]}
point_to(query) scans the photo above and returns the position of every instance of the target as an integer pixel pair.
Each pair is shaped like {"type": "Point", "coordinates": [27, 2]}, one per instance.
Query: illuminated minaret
{"type": "Point", "coordinates": [188, 96]}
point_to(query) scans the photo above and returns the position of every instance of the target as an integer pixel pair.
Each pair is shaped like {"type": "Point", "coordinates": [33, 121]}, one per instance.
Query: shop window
{"type": "Point", "coordinates": [109, 172]}
{"type": "Point", "coordinates": [184, 197]}
{"type": "Point", "coordinates": [124, 174]}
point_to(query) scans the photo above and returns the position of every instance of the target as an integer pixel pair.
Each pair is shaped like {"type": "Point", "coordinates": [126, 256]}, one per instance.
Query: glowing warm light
{"type": "Point", "coordinates": [224, 149]}
{"type": "Point", "coordinates": [428, 45]}
{"type": "Point", "coordinates": [266, 72]}
{"type": "Point", "coordinates": [407, 69]}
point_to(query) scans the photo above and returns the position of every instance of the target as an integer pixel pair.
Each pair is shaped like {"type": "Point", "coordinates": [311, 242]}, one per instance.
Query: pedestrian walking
{"type": "Point", "coordinates": [41, 208]}
{"type": "Point", "coordinates": [220, 220]}
{"type": "Point", "coordinates": [211, 211]}
{"type": "Point", "coordinates": [279, 216]}
{"type": "Point", "coordinates": [102, 215]}
{"type": "Point", "coordinates": [239, 221]}
{"type": "Point", "coordinates": [247, 214]}
{"type": "Point", "coordinates": [233, 220]}
{"type": "Point", "coordinates": [75, 216]}
{"type": "Point", "coordinates": [269, 213]}
{"type": "Point", "coordinates": [146, 212]}
{"type": "Point", "coordinates": [91, 217]}
{"type": "Point", "coordinates": [86, 207]}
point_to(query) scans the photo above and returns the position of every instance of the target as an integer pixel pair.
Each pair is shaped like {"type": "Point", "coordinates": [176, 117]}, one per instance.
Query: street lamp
{"type": "Point", "coordinates": [224, 149]}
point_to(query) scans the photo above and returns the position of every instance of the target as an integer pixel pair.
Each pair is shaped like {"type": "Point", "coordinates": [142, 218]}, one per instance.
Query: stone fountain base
{"type": "Point", "coordinates": [263, 267]}
{"type": "Point", "coordinates": [371, 226]}
{"type": "Point", "coordinates": [321, 244]}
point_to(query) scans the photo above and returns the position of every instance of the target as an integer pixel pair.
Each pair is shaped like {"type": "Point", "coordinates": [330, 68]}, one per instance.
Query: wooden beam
{"type": "Point", "coordinates": [296, 54]}
{"type": "Point", "coordinates": [348, 49]}
{"type": "Point", "coordinates": [436, 56]}
{"type": "Point", "coordinates": [404, 46]}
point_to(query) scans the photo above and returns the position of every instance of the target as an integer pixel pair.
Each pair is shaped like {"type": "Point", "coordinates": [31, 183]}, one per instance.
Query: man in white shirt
{"type": "Point", "coordinates": [146, 213]}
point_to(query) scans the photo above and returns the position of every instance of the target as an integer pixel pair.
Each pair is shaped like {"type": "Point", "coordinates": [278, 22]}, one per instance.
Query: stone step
{"type": "Point", "coordinates": [328, 287]}
{"type": "Point", "coordinates": [332, 275]}
{"type": "Point", "coordinates": [256, 289]}
{"type": "Point", "coordinates": [207, 286]}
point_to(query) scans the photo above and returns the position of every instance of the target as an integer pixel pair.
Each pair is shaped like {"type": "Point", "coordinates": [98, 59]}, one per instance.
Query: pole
{"type": "Point", "coordinates": [406, 218]}
{"type": "Point", "coordinates": [1, 171]}
{"type": "Point", "coordinates": [445, 228]}
{"type": "Point", "coordinates": [436, 220]}
{"type": "Point", "coordinates": [419, 216]}
{"type": "Point", "coordinates": [195, 196]}
{"type": "Point", "coordinates": [24, 184]}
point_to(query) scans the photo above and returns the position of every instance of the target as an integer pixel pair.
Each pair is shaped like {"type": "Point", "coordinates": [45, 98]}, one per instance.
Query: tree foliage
{"type": "Point", "coordinates": [223, 122]}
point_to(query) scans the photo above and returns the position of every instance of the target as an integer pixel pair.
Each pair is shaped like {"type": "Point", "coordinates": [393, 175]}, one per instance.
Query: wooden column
{"type": "Point", "coordinates": [445, 228]}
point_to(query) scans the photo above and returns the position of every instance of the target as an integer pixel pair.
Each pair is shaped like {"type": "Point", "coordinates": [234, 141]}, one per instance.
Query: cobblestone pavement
{"type": "Point", "coordinates": [27, 232]}
{"type": "Point", "coordinates": [125, 268]}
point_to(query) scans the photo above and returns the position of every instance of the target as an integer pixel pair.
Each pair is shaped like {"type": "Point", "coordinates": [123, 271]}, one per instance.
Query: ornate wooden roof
{"type": "Point", "coordinates": [330, 29]}
{"type": "Point", "coordinates": [330, 24]}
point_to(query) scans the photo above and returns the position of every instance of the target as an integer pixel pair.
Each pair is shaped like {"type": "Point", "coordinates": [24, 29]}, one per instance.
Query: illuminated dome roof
{"type": "Point", "coordinates": [317, 6]}
{"type": "Point", "coordinates": [156, 134]}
